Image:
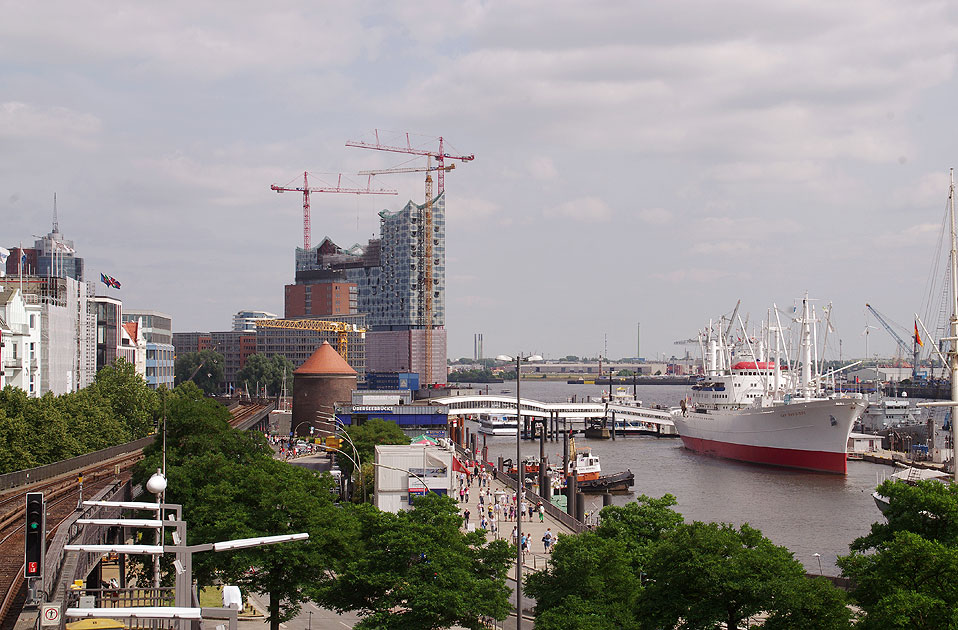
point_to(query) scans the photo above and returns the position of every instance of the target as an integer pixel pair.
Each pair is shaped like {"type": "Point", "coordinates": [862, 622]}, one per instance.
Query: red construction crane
{"type": "Point", "coordinates": [440, 155]}
{"type": "Point", "coordinates": [425, 223]}
{"type": "Point", "coordinates": [338, 188]}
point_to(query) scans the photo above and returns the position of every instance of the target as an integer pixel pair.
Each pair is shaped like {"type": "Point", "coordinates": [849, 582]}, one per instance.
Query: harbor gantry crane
{"type": "Point", "coordinates": [343, 329]}
{"type": "Point", "coordinates": [306, 189]}
{"type": "Point", "coordinates": [901, 342]}
{"type": "Point", "coordinates": [425, 226]}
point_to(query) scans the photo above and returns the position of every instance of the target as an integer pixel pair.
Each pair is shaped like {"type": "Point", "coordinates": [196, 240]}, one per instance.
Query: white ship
{"type": "Point", "coordinates": [497, 424]}
{"type": "Point", "coordinates": [758, 410]}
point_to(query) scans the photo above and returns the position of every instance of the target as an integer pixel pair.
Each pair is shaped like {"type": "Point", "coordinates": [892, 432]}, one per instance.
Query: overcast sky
{"type": "Point", "coordinates": [635, 162]}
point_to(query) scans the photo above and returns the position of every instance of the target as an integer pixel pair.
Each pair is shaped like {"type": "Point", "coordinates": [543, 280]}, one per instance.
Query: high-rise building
{"type": "Point", "coordinates": [319, 293]}
{"type": "Point", "coordinates": [391, 289]}
{"type": "Point", "coordinates": [157, 329]}
{"type": "Point", "coordinates": [477, 351]}
{"type": "Point", "coordinates": [109, 318]}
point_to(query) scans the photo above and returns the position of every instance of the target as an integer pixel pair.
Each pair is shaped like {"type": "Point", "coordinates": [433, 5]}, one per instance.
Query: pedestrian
{"type": "Point", "coordinates": [462, 494]}
{"type": "Point", "coordinates": [525, 546]}
{"type": "Point", "coordinates": [482, 522]}
{"type": "Point", "coordinates": [467, 495]}
{"type": "Point", "coordinates": [465, 515]}
{"type": "Point", "coordinates": [542, 511]}
{"type": "Point", "coordinates": [547, 540]}
{"type": "Point", "coordinates": [515, 535]}
{"type": "Point", "coordinates": [522, 509]}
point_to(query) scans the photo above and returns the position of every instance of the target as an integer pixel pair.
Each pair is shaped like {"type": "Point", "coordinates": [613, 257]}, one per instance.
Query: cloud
{"type": "Point", "coordinates": [655, 216]}
{"type": "Point", "coordinates": [27, 121]}
{"type": "Point", "coordinates": [542, 168]}
{"type": "Point", "coordinates": [584, 209]}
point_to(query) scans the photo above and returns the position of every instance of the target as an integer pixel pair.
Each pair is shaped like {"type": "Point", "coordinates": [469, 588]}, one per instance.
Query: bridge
{"type": "Point", "coordinates": [658, 420]}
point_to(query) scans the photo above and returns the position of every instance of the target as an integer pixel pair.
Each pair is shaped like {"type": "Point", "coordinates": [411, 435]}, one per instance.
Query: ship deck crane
{"type": "Point", "coordinates": [898, 339]}
{"type": "Point", "coordinates": [343, 329]}
{"type": "Point", "coordinates": [426, 229]}
{"type": "Point", "coordinates": [306, 189]}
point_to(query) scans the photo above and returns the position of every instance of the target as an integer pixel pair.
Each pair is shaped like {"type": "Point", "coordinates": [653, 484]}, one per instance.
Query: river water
{"type": "Point", "coordinates": [806, 512]}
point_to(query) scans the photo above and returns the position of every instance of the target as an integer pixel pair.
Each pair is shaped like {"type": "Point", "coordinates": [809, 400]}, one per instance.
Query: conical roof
{"type": "Point", "coordinates": [325, 362]}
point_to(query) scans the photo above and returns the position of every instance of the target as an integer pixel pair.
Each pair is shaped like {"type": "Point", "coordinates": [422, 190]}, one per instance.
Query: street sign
{"type": "Point", "coordinates": [50, 615]}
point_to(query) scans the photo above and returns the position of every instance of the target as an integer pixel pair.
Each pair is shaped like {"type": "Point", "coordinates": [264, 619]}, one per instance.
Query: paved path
{"type": "Point", "coordinates": [536, 558]}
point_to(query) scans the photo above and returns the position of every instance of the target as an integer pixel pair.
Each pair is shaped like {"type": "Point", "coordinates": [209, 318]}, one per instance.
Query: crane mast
{"type": "Point", "coordinates": [901, 342]}
{"type": "Point", "coordinates": [425, 235]}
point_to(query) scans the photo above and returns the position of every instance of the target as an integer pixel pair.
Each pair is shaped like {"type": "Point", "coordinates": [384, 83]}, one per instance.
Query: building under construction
{"type": "Point", "coordinates": [392, 288]}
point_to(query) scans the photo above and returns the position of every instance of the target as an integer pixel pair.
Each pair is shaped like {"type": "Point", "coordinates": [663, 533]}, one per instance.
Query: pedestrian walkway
{"type": "Point", "coordinates": [537, 556]}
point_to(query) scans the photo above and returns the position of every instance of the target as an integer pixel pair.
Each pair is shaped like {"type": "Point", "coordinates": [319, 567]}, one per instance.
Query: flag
{"type": "Point", "coordinates": [917, 336]}
{"type": "Point", "coordinates": [109, 281]}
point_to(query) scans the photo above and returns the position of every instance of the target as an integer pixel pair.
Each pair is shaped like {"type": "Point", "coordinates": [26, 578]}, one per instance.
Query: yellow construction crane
{"type": "Point", "coordinates": [342, 328]}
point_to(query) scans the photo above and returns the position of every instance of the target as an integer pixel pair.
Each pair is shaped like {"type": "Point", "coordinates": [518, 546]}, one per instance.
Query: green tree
{"type": "Point", "coordinates": [134, 404]}
{"type": "Point", "coordinates": [809, 604]}
{"type": "Point", "coordinates": [910, 582]}
{"type": "Point", "coordinates": [705, 574]}
{"type": "Point", "coordinates": [262, 371]}
{"type": "Point", "coordinates": [417, 569]}
{"type": "Point", "coordinates": [927, 508]}
{"type": "Point", "coordinates": [597, 576]}
{"type": "Point", "coordinates": [231, 487]}
{"type": "Point", "coordinates": [205, 368]}
{"type": "Point", "coordinates": [365, 437]}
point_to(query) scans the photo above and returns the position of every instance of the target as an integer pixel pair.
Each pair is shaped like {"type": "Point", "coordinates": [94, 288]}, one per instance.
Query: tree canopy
{"type": "Point", "coordinates": [417, 569]}
{"type": "Point", "coordinates": [262, 371]}
{"type": "Point", "coordinates": [117, 408]}
{"type": "Point", "coordinates": [905, 570]}
{"type": "Point", "coordinates": [205, 367]}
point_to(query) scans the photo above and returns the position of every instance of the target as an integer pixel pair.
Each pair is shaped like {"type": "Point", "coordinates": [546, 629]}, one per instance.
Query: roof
{"type": "Point", "coordinates": [325, 361]}
{"type": "Point", "coordinates": [130, 328]}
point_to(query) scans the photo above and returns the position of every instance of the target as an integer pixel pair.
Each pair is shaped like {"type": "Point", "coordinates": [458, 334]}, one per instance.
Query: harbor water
{"type": "Point", "coordinates": [806, 512]}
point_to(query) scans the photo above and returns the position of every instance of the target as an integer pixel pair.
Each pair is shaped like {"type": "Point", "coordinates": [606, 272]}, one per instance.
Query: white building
{"type": "Point", "coordinates": [133, 346]}
{"type": "Point", "coordinates": [20, 322]}
{"type": "Point", "coordinates": [157, 329]}
{"type": "Point", "coordinates": [407, 471]}
{"type": "Point", "coordinates": [246, 320]}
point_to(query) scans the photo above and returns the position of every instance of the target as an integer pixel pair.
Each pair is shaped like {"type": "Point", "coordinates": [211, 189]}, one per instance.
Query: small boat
{"type": "Point", "coordinates": [910, 476]}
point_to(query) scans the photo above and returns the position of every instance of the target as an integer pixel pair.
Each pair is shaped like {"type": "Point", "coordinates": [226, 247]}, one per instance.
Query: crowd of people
{"type": "Point", "coordinates": [500, 507]}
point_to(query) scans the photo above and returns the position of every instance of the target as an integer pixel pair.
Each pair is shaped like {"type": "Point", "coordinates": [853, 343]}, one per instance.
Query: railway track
{"type": "Point", "coordinates": [62, 495]}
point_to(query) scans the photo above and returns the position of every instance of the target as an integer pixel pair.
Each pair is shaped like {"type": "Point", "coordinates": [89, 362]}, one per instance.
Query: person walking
{"type": "Point", "coordinates": [515, 535]}
{"type": "Point", "coordinates": [542, 512]}
{"type": "Point", "coordinates": [465, 515]}
{"type": "Point", "coordinates": [547, 540]}
{"type": "Point", "coordinates": [467, 495]}
{"type": "Point", "coordinates": [462, 493]}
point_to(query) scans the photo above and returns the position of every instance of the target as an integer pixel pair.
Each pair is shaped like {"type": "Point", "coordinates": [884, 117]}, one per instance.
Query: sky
{"type": "Point", "coordinates": [637, 165]}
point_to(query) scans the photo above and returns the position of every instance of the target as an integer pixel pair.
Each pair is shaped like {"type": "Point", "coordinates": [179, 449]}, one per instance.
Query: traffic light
{"type": "Point", "coordinates": [35, 538]}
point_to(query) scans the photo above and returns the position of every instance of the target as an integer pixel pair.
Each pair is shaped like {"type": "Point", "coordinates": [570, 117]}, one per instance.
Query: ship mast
{"type": "Point", "coordinates": [953, 355]}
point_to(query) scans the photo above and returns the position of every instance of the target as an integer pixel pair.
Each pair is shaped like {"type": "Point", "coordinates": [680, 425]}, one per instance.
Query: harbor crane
{"type": "Point", "coordinates": [426, 238]}
{"type": "Point", "coordinates": [306, 189]}
{"type": "Point", "coordinates": [898, 339]}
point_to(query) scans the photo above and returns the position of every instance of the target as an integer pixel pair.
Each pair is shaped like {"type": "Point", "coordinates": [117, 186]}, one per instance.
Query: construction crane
{"type": "Point", "coordinates": [411, 169]}
{"type": "Point", "coordinates": [425, 225]}
{"type": "Point", "coordinates": [342, 328]}
{"type": "Point", "coordinates": [338, 188]}
{"type": "Point", "coordinates": [899, 340]}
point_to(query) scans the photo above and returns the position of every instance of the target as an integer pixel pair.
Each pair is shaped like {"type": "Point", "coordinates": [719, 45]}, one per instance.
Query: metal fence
{"type": "Point", "coordinates": [40, 473]}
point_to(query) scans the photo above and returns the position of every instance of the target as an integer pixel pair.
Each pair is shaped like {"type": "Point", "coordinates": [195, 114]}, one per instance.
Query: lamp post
{"type": "Point", "coordinates": [520, 485]}
{"type": "Point", "coordinates": [818, 556]}
{"type": "Point", "coordinates": [358, 462]}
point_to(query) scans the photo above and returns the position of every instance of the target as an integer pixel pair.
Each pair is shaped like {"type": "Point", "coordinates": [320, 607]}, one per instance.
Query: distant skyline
{"type": "Point", "coordinates": [635, 162]}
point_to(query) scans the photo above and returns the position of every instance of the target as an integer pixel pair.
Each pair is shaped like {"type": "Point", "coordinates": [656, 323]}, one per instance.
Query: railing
{"type": "Point", "coordinates": [31, 475]}
{"type": "Point", "coordinates": [551, 509]}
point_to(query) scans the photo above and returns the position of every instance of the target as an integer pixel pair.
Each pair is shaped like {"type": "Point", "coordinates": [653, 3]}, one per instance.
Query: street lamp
{"type": "Point", "coordinates": [520, 485]}
{"type": "Point", "coordinates": [818, 556]}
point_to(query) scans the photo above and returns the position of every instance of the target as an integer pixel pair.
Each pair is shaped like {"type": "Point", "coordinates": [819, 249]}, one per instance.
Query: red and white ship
{"type": "Point", "coordinates": [757, 410]}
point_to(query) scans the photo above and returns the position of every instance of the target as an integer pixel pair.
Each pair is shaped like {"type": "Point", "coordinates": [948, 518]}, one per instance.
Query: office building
{"type": "Point", "coordinates": [19, 341]}
{"type": "Point", "coordinates": [157, 330]}
{"type": "Point", "coordinates": [245, 321]}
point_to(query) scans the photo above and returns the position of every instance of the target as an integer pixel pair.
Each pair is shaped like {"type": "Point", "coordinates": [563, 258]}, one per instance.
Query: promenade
{"type": "Point", "coordinates": [536, 558]}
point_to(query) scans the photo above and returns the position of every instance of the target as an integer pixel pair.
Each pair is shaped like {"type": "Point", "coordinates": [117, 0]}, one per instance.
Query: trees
{"type": "Point", "coordinates": [131, 399]}
{"type": "Point", "coordinates": [708, 573]}
{"type": "Point", "coordinates": [266, 372]}
{"type": "Point", "coordinates": [417, 569]}
{"type": "Point", "coordinates": [597, 576]}
{"type": "Point", "coordinates": [365, 437]}
{"type": "Point", "coordinates": [231, 487]}
{"type": "Point", "coordinates": [205, 368]}
{"type": "Point", "coordinates": [906, 569]}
